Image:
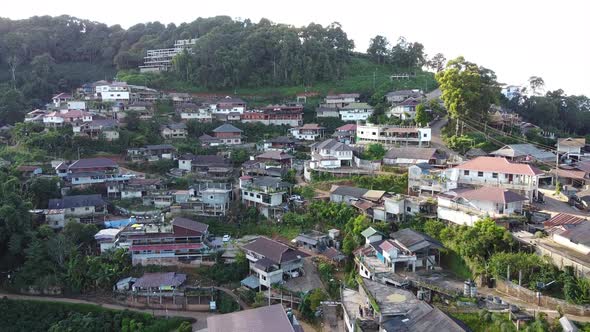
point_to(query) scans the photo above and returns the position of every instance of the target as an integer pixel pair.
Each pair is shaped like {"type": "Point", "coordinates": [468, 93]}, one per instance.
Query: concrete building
{"type": "Point", "coordinates": [174, 131]}
{"type": "Point", "coordinates": [392, 135]}
{"type": "Point", "coordinates": [267, 194]}
{"type": "Point", "coordinates": [355, 112]}
{"type": "Point", "coordinates": [308, 132]}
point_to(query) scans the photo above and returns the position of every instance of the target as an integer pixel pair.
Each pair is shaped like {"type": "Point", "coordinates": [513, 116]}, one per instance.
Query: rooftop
{"type": "Point", "coordinates": [572, 142]}
{"type": "Point", "coordinates": [499, 165]}
{"type": "Point", "coordinates": [348, 191]}
{"type": "Point", "coordinates": [275, 155]}
{"type": "Point", "coordinates": [491, 194]}
{"type": "Point", "coordinates": [519, 150]}
{"type": "Point", "coordinates": [275, 251]}
{"type": "Point", "coordinates": [165, 279]}
{"type": "Point", "coordinates": [411, 153]}
{"type": "Point", "coordinates": [227, 128]}
{"type": "Point", "coordinates": [264, 319]}
{"type": "Point", "coordinates": [76, 201]}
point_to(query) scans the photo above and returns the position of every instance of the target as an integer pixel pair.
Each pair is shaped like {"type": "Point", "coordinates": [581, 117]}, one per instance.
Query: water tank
{"type": "Point", "coordinates": [473, 290]}
{"type": "Point", "coordinates": [467, 288]}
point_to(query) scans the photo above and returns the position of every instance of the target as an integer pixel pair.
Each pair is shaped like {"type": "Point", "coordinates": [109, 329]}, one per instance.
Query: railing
{"type": "Point", "coordinates": [511, 185]}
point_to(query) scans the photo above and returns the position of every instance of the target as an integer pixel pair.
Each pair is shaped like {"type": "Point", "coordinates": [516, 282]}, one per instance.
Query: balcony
{"type": "Point", "coordinates": [516, 185]}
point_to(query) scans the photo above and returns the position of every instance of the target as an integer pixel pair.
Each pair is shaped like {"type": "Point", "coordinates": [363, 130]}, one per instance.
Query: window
{"type": "Point", "coordinates": [257, 196]}
{"type": "Point", "coordinates": [409, 209]}
{"type": "Point", "coordinates": [465, 172]}
{"type": "Point", "coordinates": [72, 209]}
{"type": "Point", "coordinates": [425, 135]}
{"type": "Point", "coordinates": [87, 208]}
{"type": "Point", "coordinates": [480, 174]}
{"type": "Point", "coordinates": [495, 175]}
{"type": "Point", "coordinates": [210, 197]}
{"type": "Point", "coordinates": [251, 194]}
{"type": "Point", "coordinates": [263, 277]}
{"type": "Point", "coordinates": [374, 133]}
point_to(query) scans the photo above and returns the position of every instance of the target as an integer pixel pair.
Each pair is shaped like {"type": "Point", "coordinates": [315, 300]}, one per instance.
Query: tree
{"type": "Point", "coordinates": [378, 49]}
{"type": "Point", "coordinates": [437, 63]}
{"type": "Point", "coordinates": [407, 55]}
{"type": "Point", "coordinates": [422, 118]}
{"type": "Point", "coordinates": [374, 151]}
{"type": "Point", "coordinates": [467, 89]}
{"type": "Point", "coordinates": [308, 192]}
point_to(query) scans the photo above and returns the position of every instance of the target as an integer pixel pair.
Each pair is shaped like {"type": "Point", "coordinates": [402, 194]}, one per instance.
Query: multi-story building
{"type": "Point", "coordinates": [390, 135]}
{"type": "Point", "coordinates": [89, 171]}
{"type": "Point", "coordinates": [174, 131]}
{"type": "Point", "coordinates": [267, 194]}
{"type": "Point", "coordinates": [271, 260]}
{"type": "Point", "coordinates": [573, 147]}
{"type": "Point", "coordinates": [330, 154]}
{"type": "Point", "coordinates": [113, 92]}
{"type": "Point", "coordinates": [208, 199]}
{"type": "Point", "coordinates": [133, 188]}
{"type": "Point", "coordinates": [206, 166]}
{"type": "Point", "coordinates": [158, 60]}
{"type": "Point", "coordinates": [181, 241]}
{"type": "Point", "coordinates": [226, 134]}
{"type": "Point", "coordinates": [281, 143]}
{"type": "Point", "coordinates": [345, 134]}
{"type": "Point", "coordinates": [341, 100]}
{"type": "Point", "coordinates": [230, 105]}
{"type": "Point", "coordinates": [355, 112]}
{"type": "Point", "coordinates": [82, 208]}
{"type": "Point", "coordinates": [496, 172]}
{"type": "Point", "coordinates": [97, 128]}
{"type": "Point", "coordinates": [466, 206]}
{"type": "Point", "coordinates": [406, 110]}
{"type": "Point", "coordinates": [308, 132]}
{"type": "Point", "coordinates": [190, 111]}
{"type": "Point", "coordinates": [63, 117]}
{"type": "Point", "coordinates": [61, 99]}
{"type": "Point", "coordinates": [273, 117]}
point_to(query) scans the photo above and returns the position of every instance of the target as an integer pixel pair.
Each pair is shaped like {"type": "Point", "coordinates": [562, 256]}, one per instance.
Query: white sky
{"type": "Point", "coordinates": [515, 38]}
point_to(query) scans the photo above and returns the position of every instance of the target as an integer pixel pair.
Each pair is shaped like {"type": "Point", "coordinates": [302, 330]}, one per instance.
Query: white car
{"type": "Point", "coordinates": [226, 238]}
{"type": "Point", "coordinates": [294, 274]}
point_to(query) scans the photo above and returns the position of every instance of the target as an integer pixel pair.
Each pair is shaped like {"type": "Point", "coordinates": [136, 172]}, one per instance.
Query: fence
{"type": "Point", "coordinates": [533, 297]}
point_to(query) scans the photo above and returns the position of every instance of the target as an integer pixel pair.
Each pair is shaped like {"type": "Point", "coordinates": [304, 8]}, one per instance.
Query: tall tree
{"type": "Point", "coordinates": [437, 63]}
{"type": "Point", "coordinates": [467, 89]}
{"type": "Point", "coordinates": [379, 49]}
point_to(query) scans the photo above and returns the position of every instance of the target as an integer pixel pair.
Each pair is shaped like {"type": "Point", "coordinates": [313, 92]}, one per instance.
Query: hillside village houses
{"type": "Point", "coordinates": [267, 194]}
{"type": "Point", "coordinates": [174, 131]}
{"type": "Point", "coordinates": [391, 135]}
{"type": "Point", "coordinates": [308, 132]}
{"type": "Point", "coordinates": [226, 134]}
{"type": "Point", "coordinates": [355, 112]}
{"type": "Point", "coordinates": [398, 96]}
{"type": "Point", "coordinates": [346, 133]}
{"type": "Point", "coordinates": [405, 110]}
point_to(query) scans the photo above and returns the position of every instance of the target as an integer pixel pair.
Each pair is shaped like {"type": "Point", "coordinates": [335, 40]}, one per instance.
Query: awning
{"type": "Point", "coordinates": [251, 282]}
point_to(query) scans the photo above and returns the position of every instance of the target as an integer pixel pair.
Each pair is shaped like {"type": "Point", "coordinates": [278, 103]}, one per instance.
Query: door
{"type": "Point", "coordinates": [510, 178]}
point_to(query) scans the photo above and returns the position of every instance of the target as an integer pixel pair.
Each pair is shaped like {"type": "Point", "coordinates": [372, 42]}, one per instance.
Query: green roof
{"type": "Point", "coordinates": [370, 232]}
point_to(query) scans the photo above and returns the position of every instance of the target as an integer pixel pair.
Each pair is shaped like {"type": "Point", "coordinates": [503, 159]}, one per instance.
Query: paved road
{"type": "Point", "coordinates": [200, 317]}
{"type": "Point", "coordinates": [436, 139]}
{"type": "Point", "coordinates": [554, 206]}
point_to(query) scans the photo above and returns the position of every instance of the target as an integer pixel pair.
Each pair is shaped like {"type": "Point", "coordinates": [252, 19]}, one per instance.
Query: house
{"type": "Point", "coordinates": [576, 175]}
{"type": "Point", "coordinates": [173, 131]}
{"type": "Point", "coordinates": [378, 307]}
{"type": "Point", "coordinates": [371, 235]}
{"type": "Point", "coordinates": [345, 134]}
{"type": "Point", "coordinates": [271, 318]}
{"type": "Point", "coordinates": [524, 153]}
{"type": "Point", "coordinates": [286, 114]}
{"type": "Point", "coordinates": [422, 246]}
{"type": "Point", "coordinates": [29, 170]}
{"type": "Point", "coordinates": [265, 193]}
{"type": "Point", "coordinates": [226, 134]}
{"type": "Point", "coordinates": [341, 100]}
{"type": "Point", "coordinates": [308, 132]}
{"type": "Point", "coordinates": [181, 241]}
{"type": "Point", "coordinates": [475, 152]}
{"type": "Point", "coordinates": [106, 238]}
{"type": "Point", "coordinates": [582, 200]}
{"type": "Point", "coordinates": [89, 171]}
{"type": "Point", "coordinates": [466, 206]}
{"type": "Point", "coordinates": [97, 128]}
{"type": "Point", "coordinates": [230, 104]}
{"type": "Point", "coordinates": [281, 143]}
{"type": "Point", "coordinates": [314, 241]}
{"type": "Point", "coordinates": [35, 116]}
{"type": "Point", "coordinates": [133, 188]}
{"type": "Point", "coordinates": [158, 282]}
{"type": "Point", "coordinates": [63, 117]}
{"type": "Point", "coordinates": [190, 111]}
{"type": "Point", "coordinates": [355, 112]}
{"type": "Point", "coordinates": [211, 199]}
{"type": "Point", "coordinates": [407, 156]}
{"type": "Point", "coordinates": [278, 158]}
{"type": "Point", "coordinates": [405, 110]}
{"type": "Point", "coordinates": [395, 97]}
{"type": "Point", "coordinates": [152, 152]}
{"type": "Point", "coordinates": [144, 110]}
{"type": "Point", "coordinates": [61, 98]}
{"type": "Point", "coordinates": [512, 91]}
{"type": "Point", "coordinates": [425, 178]}
{"type": "Point", "coordinates": [327, 112]}
{"type": "Point", "coordinates": [206, 166]}
{"type": "Point", "coordinates": [496, 172]}
{"type": "Point", "coordinates": [571, 146]}
{"type": "Point", "coordinates": [79, 207]}
{"type": "Point", "coordinates": [330, 154]}
{"type": "Point", "coordinates": [346, 194]}
{"type": "Point", "coordinates": [391, 135]}
{"type": "Point", "coordinates": [112, 92]}
{"type": "Point", "coordinates": [271, 260]}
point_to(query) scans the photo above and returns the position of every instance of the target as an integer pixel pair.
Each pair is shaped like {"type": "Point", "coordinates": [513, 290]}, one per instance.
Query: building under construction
{"type": "Point", "coordinates": [161, 59]}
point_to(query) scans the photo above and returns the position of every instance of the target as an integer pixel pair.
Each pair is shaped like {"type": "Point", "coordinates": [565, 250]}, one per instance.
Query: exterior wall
{"type": "Point", "coordinates": [130, 194]}
{"type": "Point", "coordinates": [185, 165]}
{"type": "Point", "coordinates": [204, 116]}
{"type": "Point", "coordinates": [77, 105]}
{"type": "Point", "coordinates": [355, 115]}
{"type": "Point", "coordinates": [80, 211]}
{"type": "Point", "coordinates": [456, 216]}
{"type": "Point", "coordinates": [115, 95]}
{"type": "Point", "coordinates": [567, 243]}
{"type": "Point", "coordinates": [257, 197]}
{"type": "Point", "coordinates": [394, 206]}
{"type": "Point", "coordinates": [402, 161]}
{"type": "Point", "coordinates": [373, 238]}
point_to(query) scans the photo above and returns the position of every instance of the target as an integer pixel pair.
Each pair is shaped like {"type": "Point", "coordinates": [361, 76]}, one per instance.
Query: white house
{"type": "Point", "coordinates": [466, 206]}
{"type": "Point", "coordinates": [115, 91]}
{"type": "Point", "coordinates": [496, 172]}
{"type": "Point", "coordinates": [355, 112]}
{"type": "Point", "coordinates": [371, 235]}
{"type": "Point", "coordinates": [267, 194]}
{"type": "Point", "coordinates": [570, 145]}
{"type": "Point", "coordinates": [390, 135]}
{"type": "Point", "coordinates": [406, 110]}
{"type": "Point", "coordinates": [308, 132]}
{"type": "Point", "coordinates": [330, 154]}
{"type": "Point", "coordinates": [60, 99]}
{"type": "Point", "coordinates": [77, 105]}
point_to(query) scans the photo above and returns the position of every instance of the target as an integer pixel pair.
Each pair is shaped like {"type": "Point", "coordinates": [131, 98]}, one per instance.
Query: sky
{"type": "Point", "coordinates": [517, 38]}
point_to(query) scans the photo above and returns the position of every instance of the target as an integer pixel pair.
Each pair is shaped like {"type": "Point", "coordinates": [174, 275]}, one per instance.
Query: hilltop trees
{"type": "Point", "coordinates": [404, 54]}
{"type": "Point", "coordinates": [378, 49]}
{"type": "Point", "coordinates": [468, 90]}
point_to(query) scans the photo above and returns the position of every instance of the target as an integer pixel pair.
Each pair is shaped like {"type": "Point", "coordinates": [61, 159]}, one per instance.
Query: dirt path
{"type": "Point", "coordinates": [200, 317]}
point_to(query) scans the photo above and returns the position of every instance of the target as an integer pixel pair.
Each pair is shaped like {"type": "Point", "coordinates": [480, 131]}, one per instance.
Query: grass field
{"type": "Point", "coordinates": [362, 76]}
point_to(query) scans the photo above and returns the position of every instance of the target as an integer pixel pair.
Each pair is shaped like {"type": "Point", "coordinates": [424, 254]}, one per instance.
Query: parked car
{"type": "Point", "coordinates": [226, 238]}
{"type": "Point", "coordinates": [295, 198]}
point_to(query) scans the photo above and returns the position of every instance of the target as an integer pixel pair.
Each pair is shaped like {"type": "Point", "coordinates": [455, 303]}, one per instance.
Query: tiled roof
{"type": "Point", "coordinates": [492, 194]}
{"type": "Point", "coordinates": [273, 250]}
{"type": "Point", "coordinates": [332, 145]}
{"type": "Point", "coordinates": [562, 219]}
{"type": "Point", "coordinates": [311, 126]}
{"type": "Point", "coordinates": [264, 319]}
{"type": "Point", "coordinates": [347, 127]}
{"type": "Point", "coordinates": [276, 155]}
{"type": "Point", "coordinates": [411, 153]}
{"type": "Point", "coordinates": [190, 225]}
{"type": "Point", "coordinates": [499, 165]}
{"type": "Point", "coordinates": [227, 128]}
{"type": "Point", "coordinates": [571, 142]}
{"type": "Point", "coordinates": [348, 191]}
{"type": "Point", "coordinates": [519, 150]}
{"type": "Point", "coordinates": [92, 163]}
{"type": "Point", "coordinates": [152, 280]}
{"type": "Point", "coordinates": [69, 202]}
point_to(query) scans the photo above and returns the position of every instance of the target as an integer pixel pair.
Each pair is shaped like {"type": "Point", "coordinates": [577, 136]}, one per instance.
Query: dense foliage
{"type": "Point", "coordinates": [18, 315]}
